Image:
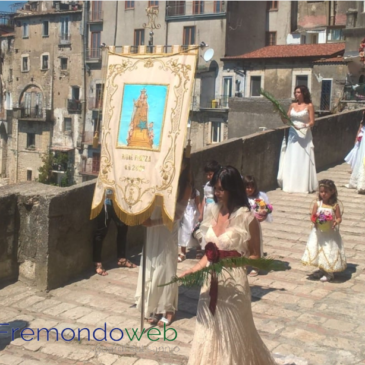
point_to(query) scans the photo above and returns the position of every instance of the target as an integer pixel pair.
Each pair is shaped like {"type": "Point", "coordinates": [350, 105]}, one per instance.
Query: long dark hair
{"type": "Point", "coordinates": [330, 185]}
{"type": "Point", "coordinates": [305, 92]}
{"type": "Point", "coordinates": [232, 182]}
{"type": "Point", "coordinates": [251, 181]}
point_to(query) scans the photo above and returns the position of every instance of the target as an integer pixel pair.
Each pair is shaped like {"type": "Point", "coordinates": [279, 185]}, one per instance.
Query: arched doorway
{"type": "Point", "coordinates": [31, 102]}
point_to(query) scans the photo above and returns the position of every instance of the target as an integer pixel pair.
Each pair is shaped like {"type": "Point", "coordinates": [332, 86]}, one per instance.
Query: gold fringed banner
{"type": "Point", "coordinates": [146, 108]}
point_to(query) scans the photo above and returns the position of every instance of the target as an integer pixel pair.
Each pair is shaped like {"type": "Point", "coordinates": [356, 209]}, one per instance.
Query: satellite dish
{"type": "Point", "coordinates": [208, 54]}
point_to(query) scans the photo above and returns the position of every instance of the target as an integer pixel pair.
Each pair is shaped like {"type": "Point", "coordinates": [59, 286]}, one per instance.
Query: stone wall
{"type": "Point", "coordinates": [258, 154]}
{"type": "Point", "coordinates": [48, 238]}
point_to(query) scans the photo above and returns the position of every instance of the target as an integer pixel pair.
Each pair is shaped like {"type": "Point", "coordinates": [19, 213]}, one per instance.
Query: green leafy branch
{"type": "Point", "coordinates": [200, 277]}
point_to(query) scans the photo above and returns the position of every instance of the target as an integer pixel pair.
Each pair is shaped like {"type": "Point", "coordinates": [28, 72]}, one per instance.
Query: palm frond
{"type": "Point", "coordinates": [202, 276]}
{"type": "Point", "coordinates": [277, 107]}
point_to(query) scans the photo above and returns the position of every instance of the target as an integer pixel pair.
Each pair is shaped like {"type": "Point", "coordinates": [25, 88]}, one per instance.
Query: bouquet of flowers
{"type": "Point", "coordinates": [323, 220]}
{"type": "Point", "coordinates": [261, 208]}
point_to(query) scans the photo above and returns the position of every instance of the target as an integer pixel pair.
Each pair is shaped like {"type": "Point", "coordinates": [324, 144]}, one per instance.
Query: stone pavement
{"type": "Point", "coordinates": [320, 322]}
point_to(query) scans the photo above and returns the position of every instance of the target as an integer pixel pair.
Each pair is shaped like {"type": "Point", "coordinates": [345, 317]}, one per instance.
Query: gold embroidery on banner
{"type": "Point", "coordinates": [135, 188]}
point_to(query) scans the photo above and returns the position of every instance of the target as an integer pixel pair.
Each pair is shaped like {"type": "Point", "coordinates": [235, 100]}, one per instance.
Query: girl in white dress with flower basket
{"type": "Point", "coordinates": [324, 247]}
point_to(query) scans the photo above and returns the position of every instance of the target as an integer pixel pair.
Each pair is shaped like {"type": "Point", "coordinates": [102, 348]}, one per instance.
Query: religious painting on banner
{"type": "Point", "coordinates": [146, 108]}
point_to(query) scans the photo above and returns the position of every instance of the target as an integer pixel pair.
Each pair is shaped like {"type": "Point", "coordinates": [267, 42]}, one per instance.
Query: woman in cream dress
{"type": "Point", "coordinates": [297, 166]}
{"type": "Point", "coordinates": [229, 336]}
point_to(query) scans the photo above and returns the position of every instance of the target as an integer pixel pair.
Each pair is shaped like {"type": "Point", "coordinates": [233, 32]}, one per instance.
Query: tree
{"type": "Point", "coordinates": [45, 172]}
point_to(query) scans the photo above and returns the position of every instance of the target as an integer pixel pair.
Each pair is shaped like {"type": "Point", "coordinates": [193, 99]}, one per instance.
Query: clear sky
{"type": "Point", "coordinates": [5, 5]}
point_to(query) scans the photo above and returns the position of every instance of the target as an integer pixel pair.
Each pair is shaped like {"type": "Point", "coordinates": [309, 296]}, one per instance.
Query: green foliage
{"type": "Point", "coordinates": [200, 277]}
{"type": "Point", "coordinates": [58, 161]}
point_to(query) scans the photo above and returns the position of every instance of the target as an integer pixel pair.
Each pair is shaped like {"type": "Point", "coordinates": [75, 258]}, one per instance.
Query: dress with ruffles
{"type": "Point", "coordinates": [230, 336]}
{"type": "Point", "coordinates": [325, 249]}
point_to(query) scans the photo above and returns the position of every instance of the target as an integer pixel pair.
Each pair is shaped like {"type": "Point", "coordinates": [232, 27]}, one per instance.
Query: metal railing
{"type": "Point", "coordinates": [65, 38]}
{"type": "Point", "coordinates": [219, 102]}
{"type": "Point", "coordinates": [91, 168]}
{"type": "Point", "coordinates": [180, 8]}
{"type": "Point", "coordinates": [93, 54]}
{"type": "Point", "coordinates": [354, 92]}
{"type": "Point", "coordinates": [74, 106]}
{"type": "Point", "coordinates": [33, 112]}
{"type": "Point", "coordinates": [96, 16]}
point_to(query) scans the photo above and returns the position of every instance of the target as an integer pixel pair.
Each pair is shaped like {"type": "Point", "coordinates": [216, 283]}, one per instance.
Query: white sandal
{"type": "Point", "coordinates": [181, 257]}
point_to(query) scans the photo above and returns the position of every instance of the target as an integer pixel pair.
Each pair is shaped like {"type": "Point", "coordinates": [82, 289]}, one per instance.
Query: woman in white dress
{"type": "Point", "coordinates": [297, 166]}
{"type": "Point", "coordinates": [351, 158]}
{"type": "Point", "coordinates": [161, 263]}
{"type": "Point", "coordinates": [225, 332]}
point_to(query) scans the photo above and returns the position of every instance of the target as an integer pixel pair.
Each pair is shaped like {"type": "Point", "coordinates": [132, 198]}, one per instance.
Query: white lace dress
{"type": "Point", "coordinates": [325, 249]}
{"type": "Point", "coordinates": [357, 179]}
{"type": "Point", "coordinates": [297, 164]}
{"type": "Point", "coordinates": [230, 336]}
{"type": "Point", "coordinates": [161, 266]}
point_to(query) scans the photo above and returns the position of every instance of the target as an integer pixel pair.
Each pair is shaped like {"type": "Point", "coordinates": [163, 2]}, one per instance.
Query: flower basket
{"type": "Point", "coordinates": [325, 226]}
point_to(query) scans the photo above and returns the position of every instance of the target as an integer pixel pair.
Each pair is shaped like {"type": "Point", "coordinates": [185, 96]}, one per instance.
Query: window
{"type": "Point", "coordinates": [29, 175]}
{"type": "Point", "coordinates": [198, 7]}
{"type": "Point", "coordinates": [67, 126]}
{"type": "Point", "coordinates": [255, 85]}
{"type": "Point", "coordinates": [189, 35]}
{"type": "Point", "coordinates": [98, 96]}
{"type": "Point", "coordinates": [25, 64]}
{"type": "Point", "coordinates": [129, 4]}
{"type": "Point", "coordinates": [64, 30]}
{"type": "Point", "coordinates": [30, 140]}
{"type": "Point", "coordinates": [175, 8]}
{"type": "Point", "coordinates": [96, 163]}
{"type": "Point", "coordinates": [227, 90]}
{"type": "Point", "coordinates": [334, 35]}
{"type": "Point", "coordinates": [96, 12]}
{"type": "Point", "coordinates": [95, 45]}
{"type": "Point", "coordinates": [301, 80]}
{"type": "Point", "coordinates": [270, 38]}
{"type": "Point", "coordinates": [272, 5]}
{"type": "Point", "coordinates": [45, 62]}
{"type": "Point", "coordinates": [139, 37]}
{"type": "Point", "coordinates": [25, 30]}
{"type": "Point", "coordinates": [218, 6]}
{"type": "Point", "coordinates": [216, 132]}
{"type": "Point", "coordinates": [153, 4]}
{"type": "Point", "coordinates": [75, 93]}
{"type": "Point", "coordinates": [45, 29]}
{"type": "Point", "coordinates": [64, 63]}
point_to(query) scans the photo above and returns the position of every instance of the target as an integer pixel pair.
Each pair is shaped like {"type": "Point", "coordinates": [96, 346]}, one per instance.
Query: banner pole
{"type": "Point", "coordinates": [143, 278]}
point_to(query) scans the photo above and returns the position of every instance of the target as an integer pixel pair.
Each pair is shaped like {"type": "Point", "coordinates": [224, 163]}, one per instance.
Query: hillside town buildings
{"type": "Point", "coordinates": [54, 60]}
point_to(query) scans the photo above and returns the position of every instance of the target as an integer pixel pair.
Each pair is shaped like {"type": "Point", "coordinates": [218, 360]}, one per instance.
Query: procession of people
{"type": "Point", "coordinates": [229, 219]}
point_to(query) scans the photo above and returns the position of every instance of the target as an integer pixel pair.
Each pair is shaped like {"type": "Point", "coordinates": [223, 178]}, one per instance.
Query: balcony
{"type": "Point", "coordinates": [74, 106]}
{"type": "Point", "coordinates": [195, 9]}
{"type": "Point", "coordinates": [95, 16]}
{"type": "Point", "coordinates": [93, 55]}
{"type": "Point", "coordinates": [354, 93]}
{"type": "Point", "coordinates": [219, 102]}
{"type": "Point", "coordinates": [32, 113]}
{"type": "Point", "coordinates": [65, 39]}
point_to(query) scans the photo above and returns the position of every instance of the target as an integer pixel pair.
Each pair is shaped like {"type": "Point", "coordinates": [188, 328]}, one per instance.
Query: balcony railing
{"type": "Point", "coordinates": [65, 39]}
{"type": "Point", "coordinates": [95, 16]}
{"type": "Point", "coordinates": [74, 106]}
{"type": "Point", "coordinates": [195, 8]}
{"type": "Point", "coordinates": [93, 54]}
{"type": "Point", "coordinates": [35, 113]}
{"type": "Point", "coordinates": [219, 102]}
{"type": "Point", "coordinates": [354, 93]}
{"type": "Point", "coordinates": [91, 168]}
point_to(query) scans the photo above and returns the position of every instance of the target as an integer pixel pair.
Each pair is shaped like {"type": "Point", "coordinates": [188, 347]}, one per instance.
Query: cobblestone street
{"type": "Point", "coordinates": [319, 322]}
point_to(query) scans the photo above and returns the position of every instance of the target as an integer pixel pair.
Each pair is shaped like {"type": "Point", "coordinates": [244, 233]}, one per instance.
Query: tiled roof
{"type": "Point", "coordinates": [292, 51]}
{"type": "Point", "coordinates": [338, 59]}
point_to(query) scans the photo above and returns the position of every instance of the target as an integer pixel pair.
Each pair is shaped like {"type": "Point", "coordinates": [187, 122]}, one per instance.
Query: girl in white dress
{"type": "Point", "coordinates": [253, 193]}
{"type": "Point", "coordinates": [351, 158]}
{"type": "Point", "coordinates": [228, 336]}
{"type": "Point", "coordinates": [297, 166]}
{"type": "Point", "coordinates": [188, 222]}
{"type": "Point", "coordinates": [324, 247]}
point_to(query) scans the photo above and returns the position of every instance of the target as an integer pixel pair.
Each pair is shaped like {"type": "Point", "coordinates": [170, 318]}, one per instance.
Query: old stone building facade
{"type": "Point", "coordinates": [43, 77]}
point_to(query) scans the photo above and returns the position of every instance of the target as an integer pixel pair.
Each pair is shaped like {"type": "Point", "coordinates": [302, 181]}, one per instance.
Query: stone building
{"type": "Point", "coordinates": [43, 77]}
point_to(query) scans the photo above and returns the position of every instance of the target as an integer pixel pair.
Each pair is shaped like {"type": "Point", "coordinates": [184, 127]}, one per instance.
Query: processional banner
{"type": "Point", "coordinates": [145, 113]}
